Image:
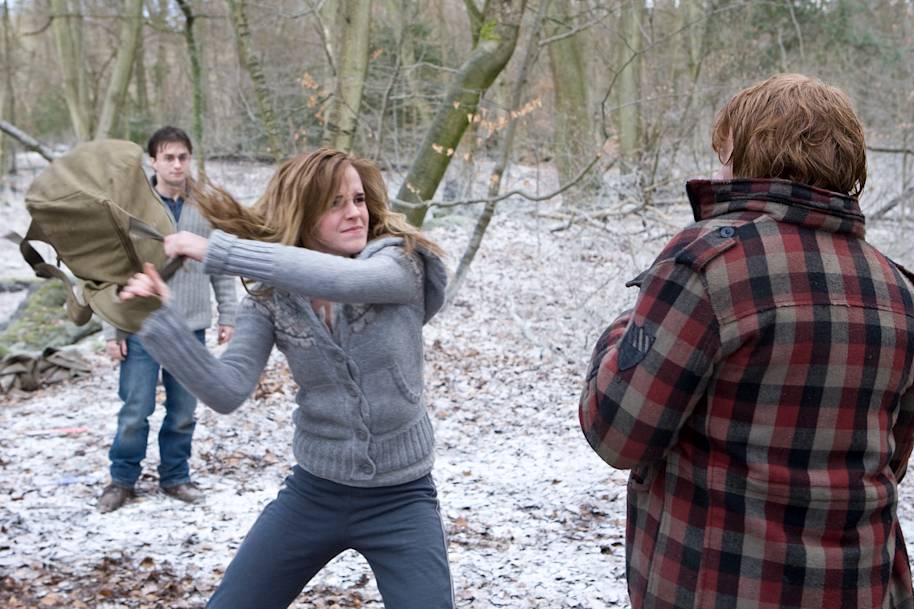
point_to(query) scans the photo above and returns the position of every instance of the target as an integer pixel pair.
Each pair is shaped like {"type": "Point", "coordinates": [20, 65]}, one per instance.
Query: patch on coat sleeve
{"type": "Point", "coordinates": [634, 346]}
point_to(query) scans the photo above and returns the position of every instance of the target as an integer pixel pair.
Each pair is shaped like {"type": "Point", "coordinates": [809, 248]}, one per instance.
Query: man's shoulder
{"type": "Point", "coordinates": [700, 243]}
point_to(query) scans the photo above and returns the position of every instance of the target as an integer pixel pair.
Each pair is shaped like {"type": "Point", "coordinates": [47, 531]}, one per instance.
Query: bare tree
{"type": "Point", "coordinates": [628, 87]}
{"type": "Point", "coordinates": [7, 96]}
{"type": "Point", "coordinates": [139, 78]}
{"type": "Point", "coordinates": [196, 78]}
{"type": "Point", "coordinates": [572, 123]}
{"type": "Point", "coordinates": [497, 39]}
{"type": "Point", "coordinates": [353, 24]}
{"type": "Point", "coordinates": [67, 25]}
{"type": "Point", "coordinates": [531, 53]}
{"type": "Point", "coordinates": [407, 15]}
{"type": "Point", "coordinates": [113, 104]}
{"type": "Point", "coordinates": [251, 64]}
{"type": "Point", "coordinates": [160, 67]}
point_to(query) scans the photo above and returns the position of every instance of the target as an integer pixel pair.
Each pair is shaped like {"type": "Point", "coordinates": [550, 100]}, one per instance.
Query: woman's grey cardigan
{"type": "Point", "coordinates": [360, 418]}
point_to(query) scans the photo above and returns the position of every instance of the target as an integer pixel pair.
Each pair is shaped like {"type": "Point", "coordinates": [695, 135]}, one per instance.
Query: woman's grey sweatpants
{"type": "Point", "coordinates": [397, 529]}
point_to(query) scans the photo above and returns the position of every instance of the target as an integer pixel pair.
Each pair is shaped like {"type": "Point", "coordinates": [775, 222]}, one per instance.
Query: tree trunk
{"type": "Point", "coordinates": [477, 18]}
{"type": "Point", "coordinates": [572, 138]}
{"type": "Point", "coordinates": [8, 96]}
{"type": "Point", "coordinates": [251, 64]}
{"type": "Point", "coordinates": [160, 69]}
{"type": "Point", "coordinates": [695, 34]}
{"type": "Point", "coordinates": [113, 106]}
{"type": "Point", "coordinates": [353, 25]}
{"type": "Point", "coordinates": [470, 139]}
{"type": "Point", "coordinates": [67, 25]}
{"type": "Point", "coordinates": [139, 78]}
{"type": "Point", "coordinates": [196, 76]}
{"type": "Point", "coordinates": [504, 155]}
{"type": "Point", "coordinates": [397, 9]}
{"type": "Point", "coordinates": [628, 84]}
{"type": "Point", "coordinates": [496, 45]}
{"type": "Point", "coordinates": [407, 14]}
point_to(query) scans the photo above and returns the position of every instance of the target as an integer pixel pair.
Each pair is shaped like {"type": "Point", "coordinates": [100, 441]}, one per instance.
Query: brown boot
{"type": "Point", "coordinates": [187, 492]}
{"type": "Point", "coordinates": [113, 497]}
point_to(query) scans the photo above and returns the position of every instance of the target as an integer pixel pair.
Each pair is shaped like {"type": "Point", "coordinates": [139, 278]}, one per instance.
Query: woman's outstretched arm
{"type": "Point", "coordinates": [222, 383]}
{"type": "Point", "coordinates": [387, 276]}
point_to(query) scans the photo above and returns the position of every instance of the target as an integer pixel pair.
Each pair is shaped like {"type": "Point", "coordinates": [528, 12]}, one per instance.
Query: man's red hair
{"type": "Point", "coordinates": [796, 128]}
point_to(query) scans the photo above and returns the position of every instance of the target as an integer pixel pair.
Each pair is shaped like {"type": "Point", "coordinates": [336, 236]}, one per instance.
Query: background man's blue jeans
{"type": "Point", "coordinates": [139, 376]}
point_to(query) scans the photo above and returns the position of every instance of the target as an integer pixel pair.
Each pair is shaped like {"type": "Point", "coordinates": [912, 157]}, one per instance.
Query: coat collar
{"type": "Point", "coordinates": [786, 201]}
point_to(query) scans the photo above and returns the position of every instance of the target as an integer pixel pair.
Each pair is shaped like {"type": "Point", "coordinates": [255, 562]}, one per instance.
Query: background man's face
{"type": "Point", "coordinates": [171, 164]}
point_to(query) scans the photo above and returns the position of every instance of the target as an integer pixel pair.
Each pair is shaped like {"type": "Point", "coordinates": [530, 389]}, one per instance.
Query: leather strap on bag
{"type": "Point", "coordinates": [77, 310]}
{"type": "Point", "coordinates": [138, 228]}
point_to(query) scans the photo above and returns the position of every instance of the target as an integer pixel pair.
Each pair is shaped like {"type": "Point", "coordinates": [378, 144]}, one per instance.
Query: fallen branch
{"type": "Point", "coordinates": [524, 326]}
{"type": "Point", "coordinates": [26, 140]}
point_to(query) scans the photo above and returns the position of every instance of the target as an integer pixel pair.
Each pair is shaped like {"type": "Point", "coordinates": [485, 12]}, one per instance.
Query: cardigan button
{"type": "Point", "coordinates": [367, 469]}
{"type": "Point", "coordinates": [361, 435]}
{"type": "Point", "coordinates": [352, 390]}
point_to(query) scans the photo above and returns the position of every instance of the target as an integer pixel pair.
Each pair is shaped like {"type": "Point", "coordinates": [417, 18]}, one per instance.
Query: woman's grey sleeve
{"type": "Point", "coordinates": [222, 383]}
{"type": "Point", "coordinates": [388, 276]}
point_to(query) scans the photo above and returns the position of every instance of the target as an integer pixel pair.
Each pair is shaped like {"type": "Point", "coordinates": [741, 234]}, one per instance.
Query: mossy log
{"type": "Point", "coordinates": [41, 321]}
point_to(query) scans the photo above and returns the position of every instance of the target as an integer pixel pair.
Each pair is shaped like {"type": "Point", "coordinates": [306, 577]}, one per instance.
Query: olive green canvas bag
{"type": "Point", "coordinates": [96, 208]}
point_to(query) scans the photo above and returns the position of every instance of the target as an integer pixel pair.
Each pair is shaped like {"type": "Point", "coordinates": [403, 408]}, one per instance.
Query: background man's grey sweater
{"type": "Point", "coordinates": [360, 419]}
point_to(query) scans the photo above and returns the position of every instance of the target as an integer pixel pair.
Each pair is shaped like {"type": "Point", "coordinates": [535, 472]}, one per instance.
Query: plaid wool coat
{"type": "Point", "coordinates": [760, 392]}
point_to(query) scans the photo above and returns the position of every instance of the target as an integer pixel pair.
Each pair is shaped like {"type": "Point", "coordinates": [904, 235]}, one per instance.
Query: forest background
{"type": "Point", "coordinates": [545, 143]}
{"type": "Point", "coordinates": [580, 86]}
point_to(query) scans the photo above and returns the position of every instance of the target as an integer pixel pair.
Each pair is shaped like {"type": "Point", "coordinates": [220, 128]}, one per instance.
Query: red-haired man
{"type": "Point", "coordinates": [760, 388]}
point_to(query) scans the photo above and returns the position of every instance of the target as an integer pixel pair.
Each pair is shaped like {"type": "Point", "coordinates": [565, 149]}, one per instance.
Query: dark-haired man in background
{"type": "Point", "coordinates": [169, 151]}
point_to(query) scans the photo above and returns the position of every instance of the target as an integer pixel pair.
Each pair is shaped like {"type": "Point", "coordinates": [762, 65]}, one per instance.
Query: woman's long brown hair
{"type": "Point", "coordinates": [298, 194]}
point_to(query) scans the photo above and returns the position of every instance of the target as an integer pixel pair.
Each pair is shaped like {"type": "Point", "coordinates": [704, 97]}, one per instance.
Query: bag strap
{"type": "Point", "coordinates": [77, 310]}
{"type": "Point", "coordinates": [140, 229]}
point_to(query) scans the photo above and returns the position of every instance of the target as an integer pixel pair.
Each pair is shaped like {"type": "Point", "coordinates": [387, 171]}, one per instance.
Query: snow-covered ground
{"type": "Point", "coordinates": [535, 519]}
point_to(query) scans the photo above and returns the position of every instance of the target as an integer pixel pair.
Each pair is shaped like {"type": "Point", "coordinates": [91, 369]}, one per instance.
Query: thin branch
{"type": "Point", "coordinates": [890, 150]}
{"type": "Point", "coordinates": [44, 27]}
{"type": "Point", "coordinates": [501, 197]}
{"type": "Point", "coordinates": [575, 30]}
{"type": "Point", "coordinates": [322, 34]}
{"type": "Point", "coordinates": [905, 195]}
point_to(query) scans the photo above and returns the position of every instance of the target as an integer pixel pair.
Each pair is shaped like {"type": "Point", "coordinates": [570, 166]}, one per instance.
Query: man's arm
{"type": "Point", "coordinates": [115, 348]}
{"type": "Point", "coordinates": [650, 368]}
{"type": "Point", "coordinates": [226, 305]}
